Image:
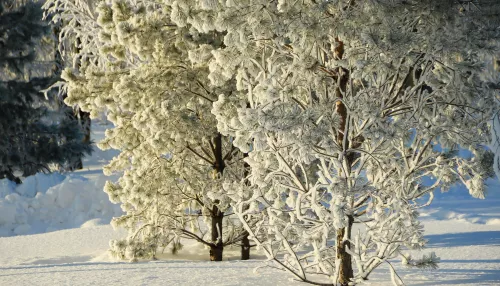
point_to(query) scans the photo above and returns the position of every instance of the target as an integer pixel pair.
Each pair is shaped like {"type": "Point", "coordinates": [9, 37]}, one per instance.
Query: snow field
{"type": "Point", "coordinates": [470, 255]}
{"type": "Point", "coordinates": [79, 257]}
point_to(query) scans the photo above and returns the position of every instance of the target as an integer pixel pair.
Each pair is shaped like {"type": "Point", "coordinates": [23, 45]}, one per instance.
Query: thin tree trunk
{"type": "Point", "coordinates": [85, 123]}
{"type": "Point", "coordinates": [217, 246]}
{"type": "Point", "coordinates": [217, 216]}
{"type": "Point", "coordinates": [245, 247]}
{"type": "Point", "coordinates": [346, 272]}
{"type": "Point", "coordinates": [245, 242]}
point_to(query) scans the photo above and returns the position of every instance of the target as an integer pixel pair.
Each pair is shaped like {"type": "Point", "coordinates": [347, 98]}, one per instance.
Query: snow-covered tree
{"type": "Point", "coordinates": [141, 71]}
{"type": "Point", "coordinates": [350, 113]}
{"type": "Point", "coordinates": [353, 112]}
{"type": "Point", "coordinates": [33, 134]}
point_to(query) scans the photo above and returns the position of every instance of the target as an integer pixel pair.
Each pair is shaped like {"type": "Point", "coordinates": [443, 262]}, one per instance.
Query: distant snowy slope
{"type": "Point", "coordinates": [458, 204]}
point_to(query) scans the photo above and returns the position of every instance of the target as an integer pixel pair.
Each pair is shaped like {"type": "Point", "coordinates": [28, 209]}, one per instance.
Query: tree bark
{"type": "Point", "coordinates": [346, 272]}
{"type": "Point", "coordinates": [245, 247]}
{"type": "Point", "coordinates": [217, 247]}
{"type": "Point", "coordinates": [85, 123]}
{"type": "Point", "coordinates": [245, 242]}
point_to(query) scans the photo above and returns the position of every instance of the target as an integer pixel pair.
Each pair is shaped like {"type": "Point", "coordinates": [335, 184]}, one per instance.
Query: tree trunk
{"type": "Point", "coordinates": [217, 246]}
{"type": "Point", "coordinates": [217, 216]}
{"type": "Point", "coordinates": [346, 272]}
{"type": "Point", "coordinates": [85, 123]}
{"type": "Point", "coordinates": [245, 247]}
{"type": "Point", "coordinates": [245, 242]}
{"type": "Point", "coordinates": [216, 253]}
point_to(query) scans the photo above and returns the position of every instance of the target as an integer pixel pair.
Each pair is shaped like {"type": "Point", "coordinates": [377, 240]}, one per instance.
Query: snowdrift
{"type": "Point", "coordinates": [49, 202]}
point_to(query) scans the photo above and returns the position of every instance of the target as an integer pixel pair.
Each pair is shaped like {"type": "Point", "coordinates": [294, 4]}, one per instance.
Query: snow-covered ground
{"type": "Point", "coordinates": [470, 255]}
{"type": "Point", "coordinates": [78, 257]}
{"type": "Point", "coordinates": [54, 231]}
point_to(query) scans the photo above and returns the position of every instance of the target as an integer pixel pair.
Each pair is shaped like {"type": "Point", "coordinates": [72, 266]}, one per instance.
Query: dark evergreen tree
{"type": "Point", "coordinates": [32, 134]}
{"type": "Point", "coordinates": [70, 113]}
